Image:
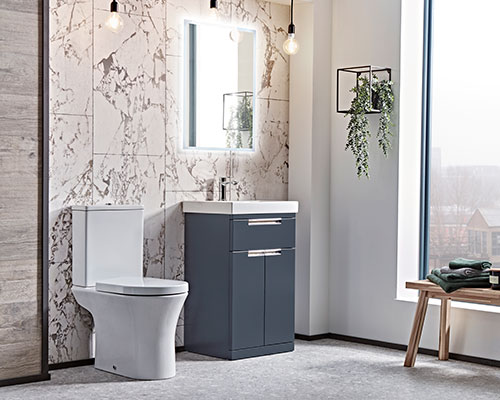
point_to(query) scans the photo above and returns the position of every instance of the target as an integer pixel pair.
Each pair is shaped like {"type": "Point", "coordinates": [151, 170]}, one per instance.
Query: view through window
{"type": "Point", "coordinates": [465, 159]}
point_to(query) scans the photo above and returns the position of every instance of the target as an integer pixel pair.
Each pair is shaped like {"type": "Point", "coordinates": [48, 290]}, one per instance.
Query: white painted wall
{"type": "Point", "coordinates": [300, 156]}
{"type": "Point", "coordinates": [309, 177]}
{"type": "Point", "coordinates": [364, 214]}
{"type": "Point", "coordinates": [320, 200]}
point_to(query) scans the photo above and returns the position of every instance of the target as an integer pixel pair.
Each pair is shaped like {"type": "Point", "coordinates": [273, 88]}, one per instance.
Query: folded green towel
{"type": "Point", "coordinates": [459, 277]}
{"type": "Point", "coordinates": [449, 287]}
{"type": "Point", "coordinates": [464, 272]}
{"type": "Point", "coordinates": [465, 263]}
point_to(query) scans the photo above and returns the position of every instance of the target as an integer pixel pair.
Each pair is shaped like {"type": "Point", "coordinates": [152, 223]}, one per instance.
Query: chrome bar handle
{"type": "Point", "coordinates": [264, 253]}
{"type": "Point", "coordinates": [264, 221]}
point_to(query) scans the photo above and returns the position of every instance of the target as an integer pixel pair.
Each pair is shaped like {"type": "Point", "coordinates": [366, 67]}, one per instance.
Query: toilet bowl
{"type": "Point", "coordinates": [135, 318]}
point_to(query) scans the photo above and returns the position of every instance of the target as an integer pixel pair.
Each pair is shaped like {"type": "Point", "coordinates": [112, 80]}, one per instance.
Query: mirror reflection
{"type": "Point", "coordinates": [220, 86]}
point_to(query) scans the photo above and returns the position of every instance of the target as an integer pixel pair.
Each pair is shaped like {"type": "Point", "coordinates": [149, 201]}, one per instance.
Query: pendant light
{"type": "Point", "coordinates": [114, 22]}
{"type": "Point", "coordinates": [291, 46]}
{"type": "Point", "coordinates": [213, 3]}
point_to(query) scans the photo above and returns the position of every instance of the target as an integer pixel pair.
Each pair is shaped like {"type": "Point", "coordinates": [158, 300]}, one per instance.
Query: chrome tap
{"type": "Point", "coordinates": [224, 182]}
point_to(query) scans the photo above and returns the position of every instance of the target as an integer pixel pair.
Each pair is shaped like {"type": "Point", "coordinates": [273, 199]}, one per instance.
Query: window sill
{"type": "Point", "coordinates": [454, 304]}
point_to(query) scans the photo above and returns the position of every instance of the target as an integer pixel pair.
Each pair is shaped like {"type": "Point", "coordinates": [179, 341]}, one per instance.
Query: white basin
{"type": "Point", "coordinates": [240, 207]}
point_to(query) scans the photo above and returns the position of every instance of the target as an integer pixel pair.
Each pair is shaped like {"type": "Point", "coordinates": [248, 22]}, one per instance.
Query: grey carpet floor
{"type": "Point", "coordinates": [324, 369]}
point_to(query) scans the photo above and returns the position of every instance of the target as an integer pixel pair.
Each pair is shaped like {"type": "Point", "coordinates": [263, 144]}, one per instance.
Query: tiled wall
{"type": "Point", "coordinates": [116, 112]}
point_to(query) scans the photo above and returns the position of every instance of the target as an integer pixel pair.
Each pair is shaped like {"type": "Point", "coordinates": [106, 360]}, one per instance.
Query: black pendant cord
{"type": "Point", "coordinates": [291, 27]}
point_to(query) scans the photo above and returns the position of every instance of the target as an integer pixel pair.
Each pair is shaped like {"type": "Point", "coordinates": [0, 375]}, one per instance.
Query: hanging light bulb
{"type": "Point", "coordinates": [213, 3]}
{"type": "Point", "coordinates": [291, 46]}
{"type": "Point", "coordinates": [114, 22]}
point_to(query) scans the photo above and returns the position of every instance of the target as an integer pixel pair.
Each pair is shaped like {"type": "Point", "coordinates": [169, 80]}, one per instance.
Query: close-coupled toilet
{"type": "Point", "coordinates": [135, 317]}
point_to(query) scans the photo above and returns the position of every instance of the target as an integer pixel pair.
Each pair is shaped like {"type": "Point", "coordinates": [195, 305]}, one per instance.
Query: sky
{"type": "Point", "coordinates": [466, 82]}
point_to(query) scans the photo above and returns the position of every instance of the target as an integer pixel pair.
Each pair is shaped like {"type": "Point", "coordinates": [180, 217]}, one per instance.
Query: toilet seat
{"type": "Point", "coordinates": [138, 286]}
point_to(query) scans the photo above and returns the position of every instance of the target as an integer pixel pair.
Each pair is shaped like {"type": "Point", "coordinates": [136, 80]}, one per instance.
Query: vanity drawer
{"type": "Point", "coordinates": [263, 232]}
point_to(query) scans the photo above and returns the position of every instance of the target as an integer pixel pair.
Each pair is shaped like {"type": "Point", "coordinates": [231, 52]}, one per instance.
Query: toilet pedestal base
{"type": "Point", "coordinates": [135, 335]}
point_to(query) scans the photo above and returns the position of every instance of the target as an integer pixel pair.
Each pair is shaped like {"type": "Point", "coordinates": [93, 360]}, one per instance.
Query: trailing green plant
{"type": "Point", "coordinates": [358, 128]}
{"type": "Point", "coordinates": [385, 104]}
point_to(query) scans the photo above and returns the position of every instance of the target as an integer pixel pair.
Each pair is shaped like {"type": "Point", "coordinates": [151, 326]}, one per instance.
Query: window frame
{"type": "Point", "coordinates": [426, 139]}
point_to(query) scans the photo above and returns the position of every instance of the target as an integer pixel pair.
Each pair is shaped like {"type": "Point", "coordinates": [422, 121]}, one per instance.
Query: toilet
{"type": "Point", "coordinates": [135, 318]}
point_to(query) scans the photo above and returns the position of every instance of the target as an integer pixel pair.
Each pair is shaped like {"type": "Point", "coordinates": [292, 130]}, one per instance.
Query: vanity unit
{"type": "Point", "coordinates": [240, 265]}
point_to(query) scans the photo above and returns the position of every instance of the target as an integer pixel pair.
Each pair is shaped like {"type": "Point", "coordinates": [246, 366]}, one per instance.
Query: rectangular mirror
{"type": "Point", "coordinates": [219, 87]}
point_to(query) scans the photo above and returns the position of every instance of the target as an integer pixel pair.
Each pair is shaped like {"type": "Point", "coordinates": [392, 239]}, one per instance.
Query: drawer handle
{"type": "Point", "coordinates": [264, 253]}
{"type": "Point", "coordinates": [264, 221]}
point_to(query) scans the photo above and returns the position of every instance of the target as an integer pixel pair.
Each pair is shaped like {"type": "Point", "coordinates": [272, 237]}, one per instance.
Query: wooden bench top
{"type": "Point", "coordinates": [469, 295]}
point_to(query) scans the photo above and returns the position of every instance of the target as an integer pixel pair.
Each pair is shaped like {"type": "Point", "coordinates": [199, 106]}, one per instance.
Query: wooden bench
{"type": "Point", "coordinates": [429, 290]}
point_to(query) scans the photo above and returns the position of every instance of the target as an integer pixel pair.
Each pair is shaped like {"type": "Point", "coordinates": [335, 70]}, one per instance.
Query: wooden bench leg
{"type": "Point", "coordinates": [444, 329]}
{"type": "Point", "coordinates": [416, 330]}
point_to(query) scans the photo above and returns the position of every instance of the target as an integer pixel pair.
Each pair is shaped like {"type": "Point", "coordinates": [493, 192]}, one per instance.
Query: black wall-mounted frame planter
{"type": "Point", "coordinates": [369, 70]}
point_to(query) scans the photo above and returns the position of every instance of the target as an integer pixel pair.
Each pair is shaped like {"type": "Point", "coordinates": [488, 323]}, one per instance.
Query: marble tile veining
{"type": "Point", "coordinates": [70, 326]}
{"type": "Point", "coordinates": [129, 80]}
{"type": "Point", "coordinates": [116, 133]}
{"type": "Point", "coordinates": [70, 55]}
{"type": "Point", "coordinates": [136, 180]}
{"type": "Point", "coordinates": [153, 8]}
{"type": "Point", "coordinates": [263, 175]}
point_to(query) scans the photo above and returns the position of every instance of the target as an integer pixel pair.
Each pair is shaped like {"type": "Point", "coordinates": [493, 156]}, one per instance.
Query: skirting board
{"type": "Point", "coordinates": [401, 347]}
{"type": "Point", "coordinates": [88, 361]}
{"type": "Point", "coordinates": [25, 379]}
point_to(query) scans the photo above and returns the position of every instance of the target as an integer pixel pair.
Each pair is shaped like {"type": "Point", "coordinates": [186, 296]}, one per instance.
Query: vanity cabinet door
{"type": "Point", "coordinates": [280, 297]}
{"type": "Point", "coordinates": [247, 301]}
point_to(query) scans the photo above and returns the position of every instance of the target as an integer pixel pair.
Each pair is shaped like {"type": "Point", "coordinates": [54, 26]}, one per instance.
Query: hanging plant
{"type": "Point", "coordinates": [358, 128]}
{"type": "Point", "coordinates": [385, 103]}
{"type": "Point", "coordinates": [381, 98]}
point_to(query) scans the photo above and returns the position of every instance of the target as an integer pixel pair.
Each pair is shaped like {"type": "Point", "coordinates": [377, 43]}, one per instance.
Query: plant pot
{"type": "Point", "coordinates": [495, 278]}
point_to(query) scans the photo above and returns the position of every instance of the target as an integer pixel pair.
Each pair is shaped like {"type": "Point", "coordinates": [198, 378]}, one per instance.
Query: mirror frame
{"type": "Point", "coordinates": [185, 87]}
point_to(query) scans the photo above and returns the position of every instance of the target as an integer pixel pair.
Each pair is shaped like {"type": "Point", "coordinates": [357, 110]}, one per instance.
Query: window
{"type": "Point", "coordinates": [495, 243]}
{"type": "Point", "coordinates": [484, 249]}
{"type": "Point", "coordinates": [462, 170]}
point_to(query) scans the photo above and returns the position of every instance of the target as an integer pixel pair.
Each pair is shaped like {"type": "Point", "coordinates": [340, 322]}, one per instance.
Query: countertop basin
{"type": "Point", "coordinates": [241, 207]}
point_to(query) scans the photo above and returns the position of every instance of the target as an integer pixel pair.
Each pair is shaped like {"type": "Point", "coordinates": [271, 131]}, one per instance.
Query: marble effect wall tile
{"type": "Point", "coordinates": [70, 183]}
{"type": "Point", "coordinates": [70, 326]}
{"type": "Point", "coordinates": [70, 177]}
{"type": "Point", "coordinates": [137, 180]}
{"type": "Point", "coordinates": [153, 8]}
{"type": "Point", "coordinates": [178, 11]}
{"type": "Point", "coordinates": [130, 149]}
{"type": "Point", "coordinates": [129, 79]}
{"type": "Point", "coordinates": [263, 175]}
{"type": "Point", "coordinates": [71, 57]}
{"type": "Point", "coordinates": [270, 21]}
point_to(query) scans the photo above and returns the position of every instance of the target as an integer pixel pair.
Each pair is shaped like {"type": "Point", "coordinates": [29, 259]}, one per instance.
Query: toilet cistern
{"type": "Point", "coordinates": [224, 182]}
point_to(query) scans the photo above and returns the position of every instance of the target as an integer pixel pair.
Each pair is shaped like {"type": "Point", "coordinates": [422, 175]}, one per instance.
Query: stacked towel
{"type": "Point", "coordinates": [459, 263]}
{"type": "Point", "coordinates": [461, 273]}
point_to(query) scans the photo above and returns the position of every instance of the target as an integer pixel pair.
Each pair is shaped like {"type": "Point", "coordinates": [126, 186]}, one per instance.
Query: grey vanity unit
{"type": "Point", "coordinates": [240, 265]}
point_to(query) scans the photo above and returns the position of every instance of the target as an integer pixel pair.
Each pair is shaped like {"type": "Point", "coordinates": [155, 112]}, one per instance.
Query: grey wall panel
{"type": "Point", "coordinates": [21, 179]}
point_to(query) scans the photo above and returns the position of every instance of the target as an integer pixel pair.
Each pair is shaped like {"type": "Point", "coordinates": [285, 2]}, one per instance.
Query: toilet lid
{"type": "Point", "coordinates": [142, 286]}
